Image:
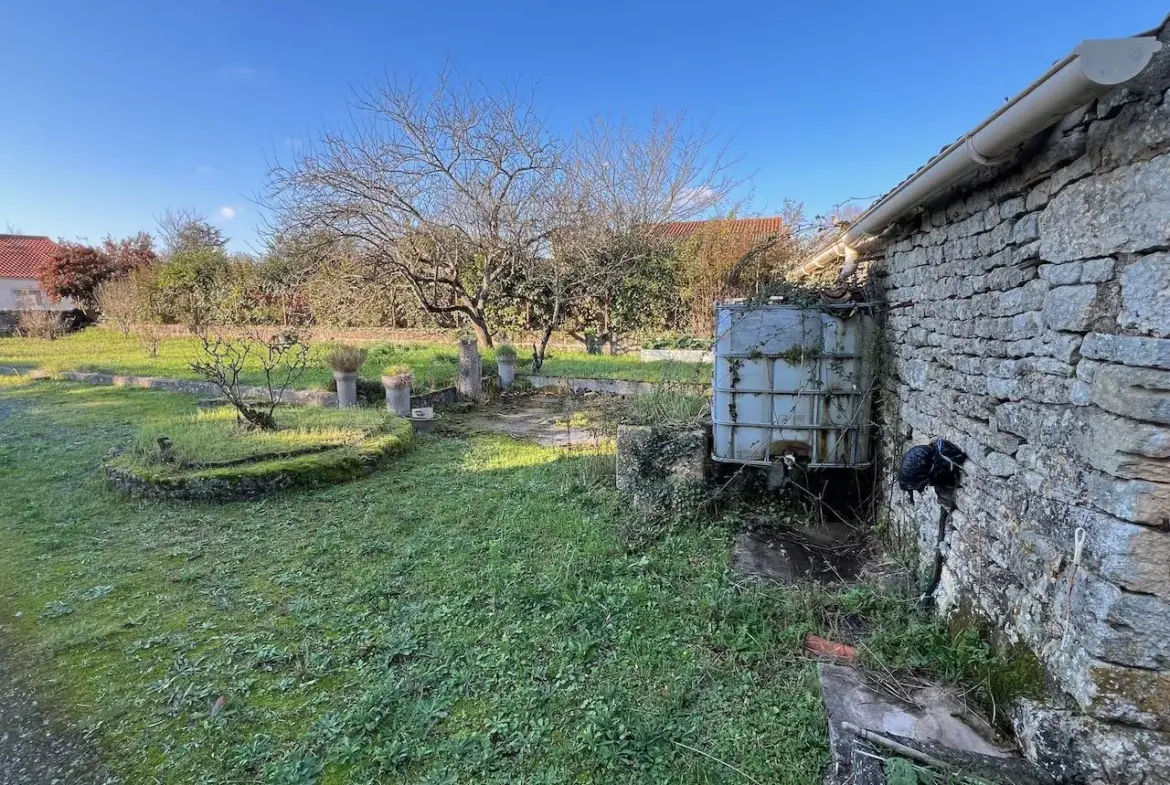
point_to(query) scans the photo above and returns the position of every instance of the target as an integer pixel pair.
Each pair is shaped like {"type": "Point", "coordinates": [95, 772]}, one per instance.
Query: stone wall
{"type": "Point", "coordinates": [1029, 323]}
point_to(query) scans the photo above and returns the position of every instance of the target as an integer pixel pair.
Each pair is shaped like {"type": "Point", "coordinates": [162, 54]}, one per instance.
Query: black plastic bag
{"type": "Point", "coordinates": [938, 464]}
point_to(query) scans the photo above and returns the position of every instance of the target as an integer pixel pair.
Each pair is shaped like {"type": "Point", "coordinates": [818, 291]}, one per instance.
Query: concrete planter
{"type": "Point", "coordinates": [397, 395]}
{"type": "Point", "coordinates": [507, 369]}
{"type": "Point", "coordinates": [346, 389]}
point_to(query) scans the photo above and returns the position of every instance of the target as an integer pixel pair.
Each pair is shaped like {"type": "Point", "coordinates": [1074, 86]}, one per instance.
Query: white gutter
{"type": "Point", "coordinates": [1090, 70]}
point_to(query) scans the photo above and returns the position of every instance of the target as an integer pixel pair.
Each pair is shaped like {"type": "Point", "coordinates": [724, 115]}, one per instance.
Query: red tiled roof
{"type": "Point", "coordinates": [21, 256]}
{"type": "Point", "coordinates": [750, 227]}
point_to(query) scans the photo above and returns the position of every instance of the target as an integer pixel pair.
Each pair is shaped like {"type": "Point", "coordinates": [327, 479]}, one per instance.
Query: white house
{"type": "Point", "coordinates": [21, 257]}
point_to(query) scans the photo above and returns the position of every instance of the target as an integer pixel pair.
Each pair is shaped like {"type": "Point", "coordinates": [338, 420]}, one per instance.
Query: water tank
{"type": "Point", "coordinates": [792, 380]}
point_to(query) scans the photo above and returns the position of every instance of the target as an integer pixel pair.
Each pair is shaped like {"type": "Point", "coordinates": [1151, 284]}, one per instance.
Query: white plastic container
{"type": "Point", "coordinates": [792, 381]}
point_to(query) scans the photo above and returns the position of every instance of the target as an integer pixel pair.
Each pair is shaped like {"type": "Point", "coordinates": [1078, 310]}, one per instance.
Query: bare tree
{"type": "Point", "coordinates": [281, 357]}
{"type": "Point", "coordinates": [117, 303]}
{"type": "Point", "coordinates": [625, 187]}
{"type": "Point", "coordinates": [184, 229]}
{"type": "Point", "coordinates": [448, 189]}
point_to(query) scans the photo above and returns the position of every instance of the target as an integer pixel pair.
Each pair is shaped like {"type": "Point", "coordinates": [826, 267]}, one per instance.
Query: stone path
{"type": "Point", "coordinates": [544, 419]}
{"type": "Point", "coordinates": [37, 747]}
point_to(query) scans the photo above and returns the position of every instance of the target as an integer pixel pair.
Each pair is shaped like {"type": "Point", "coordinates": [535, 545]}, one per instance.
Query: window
{"type": "Point", "coordinates": [29, 298]}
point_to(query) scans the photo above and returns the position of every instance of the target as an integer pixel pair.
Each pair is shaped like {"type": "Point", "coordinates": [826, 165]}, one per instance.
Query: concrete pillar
{"type": "Point", "coordinates": [470, 382]}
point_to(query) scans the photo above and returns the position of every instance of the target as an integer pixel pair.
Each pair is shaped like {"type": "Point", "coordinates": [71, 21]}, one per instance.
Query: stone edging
{"type": "Point", "coordinates": [613, 386]}
{"type": "Point", "coordinates": [677, 355]}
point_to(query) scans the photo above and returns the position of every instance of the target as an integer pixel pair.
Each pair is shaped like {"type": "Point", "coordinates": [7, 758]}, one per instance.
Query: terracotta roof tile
{"type": "Point", "coordinates": [21, 256]}
{"type": "Point", "coordinates": [752, 227]}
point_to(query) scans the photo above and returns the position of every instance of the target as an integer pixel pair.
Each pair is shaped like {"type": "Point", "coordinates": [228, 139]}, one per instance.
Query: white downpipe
{"type": "Point", "coordinates": [1088, 71]}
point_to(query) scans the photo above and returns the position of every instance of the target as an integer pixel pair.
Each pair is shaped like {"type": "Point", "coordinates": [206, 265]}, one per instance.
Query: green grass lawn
{"type": "Point", "coordinates": [108, 351]}
{"type": "Point", "coordinates": [214, 435]}
{"type": "Point", "coordinates": [624, 366]}
{"type": "Point", "coordinates": [482, 611]}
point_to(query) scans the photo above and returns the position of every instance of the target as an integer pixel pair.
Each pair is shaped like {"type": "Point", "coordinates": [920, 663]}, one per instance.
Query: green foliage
{"type": "Point", "coordinates": [626, 366]}
{"type": "Point", "coordinates": [961, 654]}
{"type": "Point", "coordinates": [192, 287]}
{"type": "Point", "coordinates": [678, 342]}
{"type": "Point", "coordinates": [400, 373]}
{"type": "Point", "coordinates": [344, 358]}
{"type": "Point", "coordinates": [900, 771]}
{"type": "Point", "coordinates": [505, 351]}
{"type": "Point", "coordinates": [668, 404]}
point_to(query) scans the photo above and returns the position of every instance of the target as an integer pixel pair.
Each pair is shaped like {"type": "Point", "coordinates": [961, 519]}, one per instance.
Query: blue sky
{"type": "Point", "coordinates": [112, 112]}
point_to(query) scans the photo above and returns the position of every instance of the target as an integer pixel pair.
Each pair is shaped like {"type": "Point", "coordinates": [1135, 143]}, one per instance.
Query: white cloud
{"type": "Point", "coordinates": [227, 213]}
{"type": "Point", "coordinates": [692, 201]}
{"type": "Point", "coordinates": [205, 171]}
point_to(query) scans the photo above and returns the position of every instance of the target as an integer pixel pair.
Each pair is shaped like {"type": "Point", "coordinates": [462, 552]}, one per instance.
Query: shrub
{"type": "Point", "coordinates": [116, 304]}
{"type": "Point", "coordinates": [398, 375]}
{"type": "Point", "coordinates": [668, 404]}
{"type": "Point", "coordinates": [40, 323]}
{"type": "Point", "coordinates": [678, 342]}
{"type": "Point", "coordinates": [506, 352]}
{"type": "Point", "coordinates": [344, 358]}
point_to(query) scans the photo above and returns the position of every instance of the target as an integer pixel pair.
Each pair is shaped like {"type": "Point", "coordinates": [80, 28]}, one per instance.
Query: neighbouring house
{"type": "Point", "coordinates": [749, 230]}
{"type": "Point", "coordinates": [1025, 271]}
{"type": "Point", "coordinates": [21, 258]}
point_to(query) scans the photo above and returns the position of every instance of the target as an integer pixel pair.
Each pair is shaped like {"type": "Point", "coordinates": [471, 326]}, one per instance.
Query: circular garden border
{"type": "Point", "coordinates": [266, 475]}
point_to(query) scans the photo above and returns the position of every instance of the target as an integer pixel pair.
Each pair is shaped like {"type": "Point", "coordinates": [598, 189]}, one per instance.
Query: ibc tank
{"type": "Point", "coordinates": [792, 380]}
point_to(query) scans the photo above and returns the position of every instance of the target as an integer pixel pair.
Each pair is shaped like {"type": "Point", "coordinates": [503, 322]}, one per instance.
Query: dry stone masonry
{"type": "Point", "coordinates": [1030, 324]}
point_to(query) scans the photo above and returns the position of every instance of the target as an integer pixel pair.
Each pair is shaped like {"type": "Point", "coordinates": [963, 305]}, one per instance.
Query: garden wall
{"type": "Point", "coordinates": [522, 341]}
{"type": "Point", "coordinates": [1029, 323]}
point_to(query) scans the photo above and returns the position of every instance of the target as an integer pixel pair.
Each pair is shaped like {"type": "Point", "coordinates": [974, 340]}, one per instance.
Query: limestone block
{"type": "Point", "coordinates": [1127, 350]}
{"type": "Point", "coordinates": [1145, 293]}
{"type": "Point", "coordinates": [1026, 229]}
{"type": "Point", "coordinates": [1070, 308]}
{"type": "Point", "coordinates": [1097, 270]}
{"type": "Point", "coordinates": [1139, 501]}
{"type": "Point", "coordinates": [1126, 210]}
{"type": "Point", "coordinates": [1061, 274]}
{"type": "Point", "coordinates": [1130, 695]}
{"type": "Point", "coordinates": [1139, 128]}
{"type": "Point", "coordinates": [1038, 195]}
{"type": "Point", "coordinates": [1121, 627]}
{"type": "Point", "coordinates": [1086, 369]}
{"type": "Point", "coordinates": [1037, 423]}
{"type": "Point", "coordinates": [998, 464]}
{"type": "Point", "coordinates": [1129, 555]}
{"type": "Point", "coordinates": [664, 469]}
{"type": "Point", "coordinates": [1123, 447]}
{"type": "Point", "coordinates": [1140, 393]}
{"type": "Point", "coordinates": [1012, 208]}
{"type": "Point", "coordinates": [1067, 744]}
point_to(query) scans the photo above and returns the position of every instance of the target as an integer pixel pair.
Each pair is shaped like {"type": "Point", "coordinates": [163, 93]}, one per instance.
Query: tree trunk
{"type": "Point", "coordinates": [481, 331]}
{"type": "Point", "coordinates": [540, 350]}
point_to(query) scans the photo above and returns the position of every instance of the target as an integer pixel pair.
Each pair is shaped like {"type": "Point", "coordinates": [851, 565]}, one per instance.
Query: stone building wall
{"type": "Point", "coordinates": [1029, 323]}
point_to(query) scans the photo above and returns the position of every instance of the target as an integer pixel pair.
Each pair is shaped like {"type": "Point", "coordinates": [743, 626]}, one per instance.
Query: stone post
{"type": "Point", "coordinates": [470, 382]}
